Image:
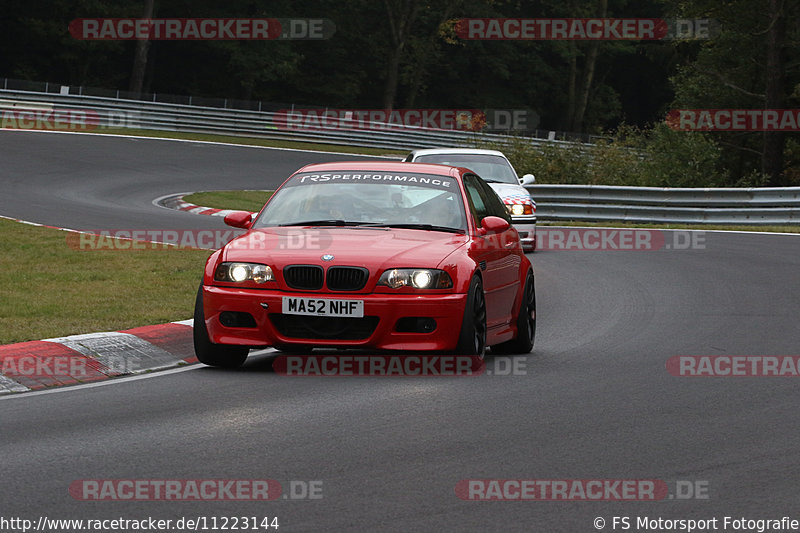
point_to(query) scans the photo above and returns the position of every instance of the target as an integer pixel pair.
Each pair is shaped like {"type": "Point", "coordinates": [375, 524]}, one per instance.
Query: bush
{"type": "Point", "coordinates": [550, 163]}
{"type": "Point", "coordinates": [660, 157]}
{"type": "Point", "coordinates": [682, 159]}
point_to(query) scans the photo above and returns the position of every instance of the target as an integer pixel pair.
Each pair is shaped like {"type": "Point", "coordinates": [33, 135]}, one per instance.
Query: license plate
{"type": "Point", "coordinates": [322, 307]}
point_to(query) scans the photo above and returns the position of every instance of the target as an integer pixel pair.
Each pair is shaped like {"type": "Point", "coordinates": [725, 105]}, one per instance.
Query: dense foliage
{"type": "Point", "coordinates": [406, 54]}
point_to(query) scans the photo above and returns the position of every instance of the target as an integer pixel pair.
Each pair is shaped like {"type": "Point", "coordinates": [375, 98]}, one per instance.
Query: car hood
{"type": "Point", "coordinates": [374, 248]}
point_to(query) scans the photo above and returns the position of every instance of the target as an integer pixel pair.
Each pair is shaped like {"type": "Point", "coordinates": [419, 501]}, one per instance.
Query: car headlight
{"type": "Point", "coordinates": [520, 209]}
{"type": "Point", "coordinates": [242, 272]}
{"type": "Point", "coordinates": [418, 278]}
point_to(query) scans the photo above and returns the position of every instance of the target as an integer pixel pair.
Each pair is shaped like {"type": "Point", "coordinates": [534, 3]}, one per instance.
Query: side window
{"type": "Point", "coordinates": [494, 204]}
{"type": "Point", "coordinates": [477, 202]}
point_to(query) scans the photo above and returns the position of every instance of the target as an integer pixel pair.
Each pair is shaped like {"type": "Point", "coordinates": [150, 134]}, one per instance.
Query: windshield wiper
{"type": "Point", "coordinates": [426, 227]}
{"type": "Point", "coordinates": [327, 222]}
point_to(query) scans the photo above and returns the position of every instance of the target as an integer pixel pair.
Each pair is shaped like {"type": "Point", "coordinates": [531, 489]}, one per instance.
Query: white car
{"type": "Point", "coordinates": [496, 170]}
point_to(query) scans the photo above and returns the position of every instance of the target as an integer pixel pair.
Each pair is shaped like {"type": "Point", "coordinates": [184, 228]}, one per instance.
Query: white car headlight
{"type": "Point", "coordinates": [519, 209]}
{"type": "Point", "coordinates": [419, 278]}
{"type": "Point", "coordinates": [242, 272]}
{"type": "Point", "coordinates": [239, 272]}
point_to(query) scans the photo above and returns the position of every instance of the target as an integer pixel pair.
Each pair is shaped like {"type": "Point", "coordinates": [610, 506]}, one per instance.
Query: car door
{"type": "Point", "coordinates": [496, 253]}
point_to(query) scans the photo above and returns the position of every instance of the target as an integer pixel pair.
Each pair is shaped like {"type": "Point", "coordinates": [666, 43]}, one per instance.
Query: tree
{"type": "Point", "coordinates": [140, 57]}
{"type": "Point", "coordinates": [579, 93]}
{"type": "Point", "coordinates": [400, 15]}
{"type": "Point", "coordinates": [775, 141]}
{"type": "Point", "coordinates": [752, 64]}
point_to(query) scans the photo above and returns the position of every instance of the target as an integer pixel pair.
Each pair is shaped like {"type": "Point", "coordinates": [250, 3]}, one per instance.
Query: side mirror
{"type": "Point", "coordinates": [239, 219]}
{"type": "Point", "coordinates": [493, 224]}
{"type": "Point", "coordinates": [527, 179]}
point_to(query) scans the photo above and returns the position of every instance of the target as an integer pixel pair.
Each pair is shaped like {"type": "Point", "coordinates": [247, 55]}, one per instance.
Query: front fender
{"type": "Point", "coordinates": [211, 266]}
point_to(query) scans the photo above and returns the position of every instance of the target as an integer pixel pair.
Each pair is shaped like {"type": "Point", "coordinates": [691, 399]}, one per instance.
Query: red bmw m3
{"type": "Point", "coordinates": [369, 255]}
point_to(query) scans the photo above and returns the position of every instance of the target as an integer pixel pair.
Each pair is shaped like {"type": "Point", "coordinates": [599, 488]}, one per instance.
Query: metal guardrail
{"type": "Point", "coordinates": [30, 86]}
{"type": "Point", "coordinates": [112, 112]}
{"type": "Point", "coordinates": [600, 203]}
{"type": "Point", "coordinates": [554, 202]}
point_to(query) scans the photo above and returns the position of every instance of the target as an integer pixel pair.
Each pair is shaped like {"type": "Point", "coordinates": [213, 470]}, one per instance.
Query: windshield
{"type": "Point", "coordinates": [488, 167]}
{"type": "Point", "coordinates": [361, 198]}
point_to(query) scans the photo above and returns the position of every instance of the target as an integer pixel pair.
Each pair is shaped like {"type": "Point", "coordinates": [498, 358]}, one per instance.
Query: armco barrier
{"type": "Point", "coordinates": [667, 205]}
{"type": "Point", "coordinates": [114, 112]}
{"type": "Point", "coordinates": [554, 202]}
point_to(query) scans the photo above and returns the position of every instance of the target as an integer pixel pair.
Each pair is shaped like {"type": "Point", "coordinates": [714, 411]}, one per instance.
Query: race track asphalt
{"type": "Point", "coordinates": [593, 401]}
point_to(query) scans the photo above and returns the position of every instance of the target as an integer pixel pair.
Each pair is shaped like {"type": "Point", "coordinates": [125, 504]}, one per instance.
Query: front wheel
{"type": "Point", "coordinates": [526, 323]}
{"type": "Point", "coordinates": [472, 339]}
{"type": "Point", "coordinates": [208, 353]}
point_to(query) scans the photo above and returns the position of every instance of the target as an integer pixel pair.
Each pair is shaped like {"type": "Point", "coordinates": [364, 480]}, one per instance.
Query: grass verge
{"type": "Point", "coordinates": [49, 289]}
{"type": "Point", "coordinates": [240, 200]}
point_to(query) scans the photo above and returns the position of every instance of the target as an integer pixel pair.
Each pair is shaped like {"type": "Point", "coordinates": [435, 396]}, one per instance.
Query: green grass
{"type": "Point", "coordinates": [49, 289]}
{"type": "Point", "coordinates": [240, 200]}
{"type": "Point", "coordinates": [252, 141]}
{"type": "Point", "coordinates": [736, 227]}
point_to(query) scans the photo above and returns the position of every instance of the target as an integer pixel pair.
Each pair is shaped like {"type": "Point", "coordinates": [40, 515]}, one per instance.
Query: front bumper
{"type": "Point", "coordinates": [526, 227]}
{"type": "Point", "coordinates": [299, 330]}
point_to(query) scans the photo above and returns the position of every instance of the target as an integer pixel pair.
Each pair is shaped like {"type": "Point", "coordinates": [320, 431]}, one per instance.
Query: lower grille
{"type": "Point", "coordinates": [324, 327]}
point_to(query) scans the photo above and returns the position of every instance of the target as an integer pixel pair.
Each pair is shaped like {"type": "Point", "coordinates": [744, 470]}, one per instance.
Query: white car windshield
{"type": "Point", "coordinates": [489, 167]}
{"type": "Point", "coordinates": [354, 198]}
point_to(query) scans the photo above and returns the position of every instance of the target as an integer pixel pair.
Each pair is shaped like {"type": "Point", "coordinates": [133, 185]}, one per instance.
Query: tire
{"type": "Point", "coordinates": [526, 323]}
{"type": "Point", "coordinates": [472, 338]}
{"type": "Point", "coordinates": [208, 353]}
